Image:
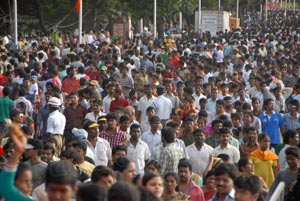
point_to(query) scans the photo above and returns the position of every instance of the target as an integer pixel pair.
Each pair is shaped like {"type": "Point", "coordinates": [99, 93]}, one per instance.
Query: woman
{"type": "Point", "coordinates": [126, 167]}
{"type": "Point", "coordinates": [170, 193]}
{"type": "Point", "coordinates": [153, 183]}
{"type": "Point", "coordinates": [245, 166]}
{"type": "Point", "coordinates": [248, 121]}
{"type": "Point", "coordinates": [153, 167]}
{"type": "Point", "coordinates": [265, 161]}
{"type": "Point", "coordinates": [209, 188]}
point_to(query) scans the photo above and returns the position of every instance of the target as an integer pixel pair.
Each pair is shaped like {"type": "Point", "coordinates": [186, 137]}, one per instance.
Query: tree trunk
{"type": "Point", "coordinates": [160, 27]}
{"type": "Point", "coordinates": [40, 15]}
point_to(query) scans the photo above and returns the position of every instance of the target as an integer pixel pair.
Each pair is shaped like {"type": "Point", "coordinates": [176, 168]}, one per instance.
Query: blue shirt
{"type": "Point", "coordinates": [271, 125]}
{"type": "Point", "coordinates": [229, 197]}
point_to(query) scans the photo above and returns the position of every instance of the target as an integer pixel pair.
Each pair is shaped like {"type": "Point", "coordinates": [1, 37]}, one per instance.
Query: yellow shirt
{"type": "Point", "coordinates": [87, 167]}
{"type": "Point", "coordinates": [264, 169]}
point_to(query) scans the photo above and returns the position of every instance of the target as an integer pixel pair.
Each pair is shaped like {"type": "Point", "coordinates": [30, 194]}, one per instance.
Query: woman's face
{"type": "Point", "coordinates": [152, 169]}
{"type": "Point", "coordinates": [210, 182]}
{"type": "Point", "coordinates": [155, 186]}
{"type": "Point", "coordinates": [265, 143]}
{"type": "Point", "coordinates": [247, 119]}
{"type": "Point", "coordinates": [129, 172]}
{"type": "Point", "coordinates": [171, 183]}
{"type": "Point", "coordinates": [249, 167]}
{"type": "Point", "coordinates": [24, 182]}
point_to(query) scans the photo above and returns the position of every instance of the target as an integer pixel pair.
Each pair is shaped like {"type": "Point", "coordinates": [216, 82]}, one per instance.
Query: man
{"type": "Point", "coordinates": [42, 117]}
{"type": "Point", "coordinates": [126, 81]}
{"type": "Point", "coordinates": [29, 109]}
{"type": "Point", "coordinates": [74, 114]}
{"type": "Point", "coordinates": [96, 111]}
{"type": "Point", "coordinates": [198, 95]}
{"type": "Point", "coordinates": [171, 154]}
{"type": "Point", "coordinates": [145, 102]}
{"type": "Point", "coordinates": [56, 123]}
{"type": "Point", "coordinates": [225, 175]}
{"type": "Point", "coordinates": [99, 147]}
{"type": "Point", "coordinates": [70, 84]}
{"type": "Point", "coordinates": [162, 104]}
{"type": "Point", "coordinates": [103, 176]}
{"type": "Point", "coordinates": [6, 104]}
{"type": "Point", "coordinates": [247, 187]}
{"type": "Point", "coordinates": [109, 97]}
{"type": "Point", "coordinates": [219, 111]}
{"type": "Point", "coordinates": [271, 122]}
{"type": "Point", "coordinates": [81, 149]}
{"type": "Point", "coordinates": [292, 119]}
{"type": "Point", "coordinates": [246, 107]}
{"type": "Point", "coordinates": [214, 139]}
{"type": "Point", "coordinates": [33, 151]}
{"type": "Point", "coordinates": [170, 95]}
{"type": "Point", "coordinates": [141, 80]}
{"type": "Point", "coordinates": [153, 136]}
{"type": "Point", "coordinates": [145, 125]}
{"type": "Point", "coordinates": [199, 152]}
{"type": "Point", "coordinates": [226, 148]}
{"type": "Point", "coordinates": [211, 102]}
{"type": "Point", "coordinates": [185, 184]}
{"type": "Point", "coordinates": [118, 151]}
{"type": "Point", "coordinates": [48, 154]}
{"type": "Point", "coordinates": [130, 112]}
{"type": "Point", "coordinates": [137, 150]}
{"type": "Point", "coordinates": [251, 142]}
{"type": "Point", "coordinates": [112, 133]}
{"type": "Point", "coordinates": [119, 100]}
{"type": "Point", "coordinates": [187, 134]}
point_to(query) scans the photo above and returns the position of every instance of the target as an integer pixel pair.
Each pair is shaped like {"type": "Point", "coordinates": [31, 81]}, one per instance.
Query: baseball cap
{"type": "Point", "coordinates": [55, 102]}
{"type": "Point", "coordinates": [80, 133]}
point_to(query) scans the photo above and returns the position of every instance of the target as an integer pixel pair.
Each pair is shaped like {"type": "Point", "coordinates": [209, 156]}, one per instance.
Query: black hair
{"type": "Point", "coordinates": [155, 163]}
{"type": "Point", "coordinates": [209, 174]}
{"type": "Point", "coordinates": [168, 134]}
{"type": "Point", "coordinates": [224, 130]}
{"type": "Point", "coordinates": [6, 91]}
{"type": "Point", "coordinates": [51, 140]}
{"type": "Point", "coordinates": [266, 102]}
{"type": "Point", "coordinates": [118, 148]}
{"type": "Point", "coordinates": [147, 196]}
{"type": "Point", "coordinates": [226, 168]}
{"type": "Point", "coordinates": [134, 126]}
{"type": "Point", "coordinates": [49, 147]}
{"type": "Point", "coordinates": [123, 191]}
{"type": "Point", "coordinates": [262, 136]}
{"type": "Point", "coordinates": [121, 164]}
{"type": "Point", "coordinates": [147, 177]}
{"type": "Point", "coordinates": [294, 151]}
{"type": "Point", "coordinates": [70, 154]}
{"type": "Point", "coordinates": [185, 163]}
{"type": "Point", "coordinates": [61, 172]}
{"type": "Point", "coordinates": [249, 182]}
{"type": "Point", "coordinates": [124, 118]}
{"type": "Point", "coordinates": [37, 144]}
{"type": "Point", "coordinates": [22, 167]}
{"type": "Point", "coordinates": [224, 157]}
{"type": "Point", "coordinates": [216, 121]}
{"type": "Point", "coordinates": [154, 119]}
{"type": "Point", "coordinates": [242, 163]}
{"type": "Point", "coordinates": [198, 130]}
{"type": "Point", "coordinates": [287, 135]}
{"type": "Point", "coordinates": [81, 145]}
{"type": "Point", "coordinates": [111, 116]}
{"type": "Point", "coordinates": [101, 171]}
{"type": "Point", "coordinates": [88, 192]}
{"type": "Point", "coordinates": [172, 174]}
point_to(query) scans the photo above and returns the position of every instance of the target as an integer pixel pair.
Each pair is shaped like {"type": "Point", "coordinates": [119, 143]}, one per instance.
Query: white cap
{"type": "Point", "coordinates": [55, 102]}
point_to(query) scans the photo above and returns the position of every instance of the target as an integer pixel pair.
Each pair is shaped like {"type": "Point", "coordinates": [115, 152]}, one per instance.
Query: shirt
{"type": "Point", "coordinates": [211, 105]}
{"type": "Point", "coordinates": [229, 197]}
{"type": "Point", "coordinates": [70, 84]}
{"type": "Point", "coordinates": [122, 102]}
{"type": "Point", "coordinates": [117, 138]}
{"type": "Point", "coordinates": [138, 154]}
{"type": "Point", "coordinates": [291, 122]}
{"type": "Point", "coordinates": [194, 191]}
{"type": "Point", "coordinates": [56, 123]}
{"type": "Point", "coordinates": [230, 150]}
{"type": "Point", "coordinates": [91, 116]}
{"type": "Point", "coordinates": [163, 107]}
{"type": "Point", "coordinates": [170, 157]}
{"type": "Point", "coordinates": [144, 103]}
{"type": "Point", "coordinates": [282, 158]}
{"type": "Point", "coordinates": [199, 158]}
{"type": "Point", "coordinates": [106, 103]}
{"type": "Point", "coordinates": [6, 104]}
{"type": "Point", "coordinates": [74, 116]}
{"type": "Point", "coordinates": [152, 139]}
{"type": "Point", "coordinates": [102, 151]}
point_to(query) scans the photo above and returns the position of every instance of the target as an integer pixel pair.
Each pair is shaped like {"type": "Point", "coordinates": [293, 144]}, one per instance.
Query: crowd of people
{"type": "Point", "coordinates": [212, 117]}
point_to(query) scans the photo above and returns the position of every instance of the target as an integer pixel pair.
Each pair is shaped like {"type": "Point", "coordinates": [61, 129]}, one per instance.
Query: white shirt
{"type": "Point", "coordinates": [28, 104]}
{"type": "Point", "coordinates": [143, 105]}
{"type": "Point", "coordinates": [282, 158]}
{"type": "Point", "coordinates": [197, 99]}
{"type": "Point", "coordinates": [102, 152]}
{"type": "Point", "coordinates": [199, 159]}
{"type": "Point", "coordinates": [163, 107]}
{"type": "Point", "coordinates": [151, 139]}
{"type": "Point", "coordinates": [106, 103]}
{"type": "Point", "coordinates": [211, 105]}
{"type": "Point", "coordinates": [91, 116]}
{"type": "Point", "coordinates": [138, 155]}
{"type": "Point", "coordinates": [230, 150]}
{"type": "Point", "coordinates": [34, 89]}
{"type": "Point", "coordinates": [56, 123]}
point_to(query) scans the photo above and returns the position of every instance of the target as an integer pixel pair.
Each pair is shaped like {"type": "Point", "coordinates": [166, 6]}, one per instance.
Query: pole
{"type": "Point", "coordinates": [199, 15]}
{"type": "Point", "coordinates": [294, 5]}
{"type": "Point", "coordinates": [80, 23]}
{"type": "Point", "coordinates": [16, 24]}
{"type": "Point", "coordinates": [219, 6]}
{"type": "Point", "coordinates": [154, 21]}
{"type": "Point", "coordinates": [180, 20]}
{"type": "Point", "coordinates": [237, 8]}
{"type": "Point", "coordinates": [266, 8]}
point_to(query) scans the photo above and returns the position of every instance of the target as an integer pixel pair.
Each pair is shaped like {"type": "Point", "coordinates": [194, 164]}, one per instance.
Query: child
{"type": "Point", "coordinates": [33, 90]}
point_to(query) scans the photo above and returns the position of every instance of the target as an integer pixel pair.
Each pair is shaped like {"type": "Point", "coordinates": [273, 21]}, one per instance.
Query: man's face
{"type": "Point", "coordinates": [47, 155]}
{"type": "Point", "coordinates": [60, 192]}
{"type": "Point", "coordinates": [135, 133]}
{"type": "Point", "coordinates": [29, 153]}
{"type": "Point", "coordinates": [217, 127]}
{"type": "Point", "coordinates": [119, 153]}
{"type": "Point", "coordinates": [244, 195]}
{"type": "Point", "coordinates": [224, 184]}
{"type": "Point", "coordinates": [252, 136]}
{"type": "Point", "coordinates": [225, 137]}
{"type": "Point", "coordinates": [96, 107]}
{"type": "Point", "coordinates": [155, 125]}
{"type": "Point", "coordinates": [124, 125]}
{"type": "Point", "coordinates": [270, 105]}
{"type": "Point", "coordinates": [184, 174]}
{"type": "Point", "coordinates": [47, 97]}
{"type": "Point", "coordinates": [219, 109]}
{"type": "Point", "coordinates": [199, 138]}
{"type": "Point", "coordinates": [74, 99]}
{"type": "Point", "coordinates": [111, 123]}
{"type": "Point", "coordinates": [71, 73]}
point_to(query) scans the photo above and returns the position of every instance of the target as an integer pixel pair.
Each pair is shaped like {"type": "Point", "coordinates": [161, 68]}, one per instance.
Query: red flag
{"type": "Point", "coordinates": [77, 6]}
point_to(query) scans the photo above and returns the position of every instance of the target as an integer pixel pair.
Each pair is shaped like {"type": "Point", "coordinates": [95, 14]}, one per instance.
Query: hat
{"type": "Point", "coordinates": [94, 83]}
{"type": "Point", "coordinates": [81, 133]}
{"type": "Point", "coordinates": [54, 102]}
{"type": "Point", "coordinates": [34, 77]}
{"type": "Point", "coordinates": [13, 112]}
{"type": "Point", "coordinates": [102, 118]}
{"type": "Point", "coordinates": [90, 124]}
{"type": "Point", "coordinates": [103, 68]}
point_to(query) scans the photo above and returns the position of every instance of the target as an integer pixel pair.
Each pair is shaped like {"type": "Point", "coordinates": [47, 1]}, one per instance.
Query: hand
{"type": "Point", "coordinates": [18, 138]}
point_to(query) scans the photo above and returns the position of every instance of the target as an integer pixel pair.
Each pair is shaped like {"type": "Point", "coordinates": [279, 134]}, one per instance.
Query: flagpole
{"type": "Point", "coordinates": [80, 23]}
{"type": "Point", "coordinates": [154, 20]}
{"type": "Point", "coordinates": [16, 24]}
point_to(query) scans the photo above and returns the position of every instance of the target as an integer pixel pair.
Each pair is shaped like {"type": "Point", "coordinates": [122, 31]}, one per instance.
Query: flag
{"type": "Point", "coordinates": [78, 6]}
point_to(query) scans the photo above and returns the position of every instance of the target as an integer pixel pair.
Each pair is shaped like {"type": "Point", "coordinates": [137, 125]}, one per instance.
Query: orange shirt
{"type": "Point", "coordinates": [70, 85]}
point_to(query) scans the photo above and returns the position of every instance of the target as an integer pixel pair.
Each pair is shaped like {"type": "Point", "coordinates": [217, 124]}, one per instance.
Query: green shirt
{"type": "Point", "coordinates": [6, 104]}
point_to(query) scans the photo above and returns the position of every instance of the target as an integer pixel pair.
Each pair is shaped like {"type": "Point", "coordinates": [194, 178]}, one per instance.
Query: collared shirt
{"type": "Point", "coordinates": [169, 158]}
{"type": "Point", "coordinates": [199, 158]}
{"type": "Point", "coordinates": [102, 152]}
{"type": "Point", "coordinates": [152, 139]}
{"type": "Point", "coordinates": [271, 125]}
{"type": "Point", "coordinates": [138, 154]}
{"type": "Point", "coordinates": [211, 105]}
{"type": "Point", "coordinates": [229, 197]}
{"type": "Point", "coordinates": [197, 99]}
{"type": "Point", "coordinates": [163, 107]}
{"type": "Point", "coordinates": [291, 122]}
{"type": "Point", "coordinates": [74, 116]}
{"type": "Point", "coordinates": [56, 123]}
{"type": "Point", "coordinates": [174, 99]}
{"type": "Point", "coordinates": [116, 139]}
{"type": "Point", "coordinates": [194, 191]}
{"type": "Point", "coordinates": [42, 118]}
{"type": "Point", "coordinates": [230, 150]}
{"type": "Point", "coordinates": [106, 103]}
{"type": "Point", "coordinates": [70, 84]}
{"type": "Point", "coordinates": [143, 105]}
{"type": "Point", "coordinates": [91, 116]}
{"type": "Point", "coordinates": [282, 158]}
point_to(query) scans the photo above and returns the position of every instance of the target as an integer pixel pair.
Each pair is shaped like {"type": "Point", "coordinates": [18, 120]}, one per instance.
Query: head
{"type": "Point", "coordinates": [118, 151]}
{"type": "Point", "coordinates": [123, 191]}
{"type": "Point", "coordinates": [89, 192]}
{"type": "Point", "coordinates": [225, 136]}
{"type": "Point", "coordinates": [154, 122]}
{"type": "Point", "coordinates": [247, 187]}
{"type": "Point", "coordinates": [199, 136]}
{"type": "Point", "coordinates": [225, 175]}
{"type": "Point", "coordinates": [135, 132]}
{"type": "Point", "coordinates": [74, 97]}
{"type": "Point", "coordinates": [184, 170]}
{"type": "Point", "coordinates": [153, 166]}
{"type": "Point", "coordinates": [171, 180]}
{"type": "Point", "coordinates": [153, 183]}
{"type": "Point", "coordinates": [125, 167]}
{"type": "Point", "coordinates": [47, 153]}
{"type": "Point", "coordinates": [60, 181]}
{"type": "Point", "coordinates": [269, 105]}
{"type": "Point", "coordinates": [264, 141]}
{"type": "Point", "coordinates": [124, 122]}
{"type": "Point", "coordinates": [209, 179]}
{"type": "Point", "coordinates": [167, 135]}
{"type": "Point", "coordinates": [112, 120]}
{"type": "Point", "coordinates": [292, 157]}
{"type": "Point", "coordinates": [291, 137]}
{"type": "Point", "coordinates": [23, 179]}
{"type": "Point", "coordinates": [81, 148]}
{"type": "Point", "coordinates": [103, 176]}
{"type": "Point", "coordinates": [245, 165]}
{"type": "Point", "coordinates": [33, 148]}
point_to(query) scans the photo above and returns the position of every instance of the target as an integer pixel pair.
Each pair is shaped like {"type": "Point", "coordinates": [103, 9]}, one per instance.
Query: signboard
{"type": "Point", "coordinates": [210, 23]}
{"type": "Point", "coordinates": [119, 29]}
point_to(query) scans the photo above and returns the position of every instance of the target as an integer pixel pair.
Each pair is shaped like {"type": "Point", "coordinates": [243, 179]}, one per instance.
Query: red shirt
{"type": "Point", "coordinates": [3, 79]}
{"type": "Point", "coordinates": [93, 75]}
{"type": "Point", "coordinates": [173, 61]}
{"type": "Point", "coordinates": [117, 138]}
{"type": "Point", "coordinates": [122, 102]}
{"type": "Point", "coordinates": [1, 151]}
{"type": "Point", "coordinates": [70, 85]}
